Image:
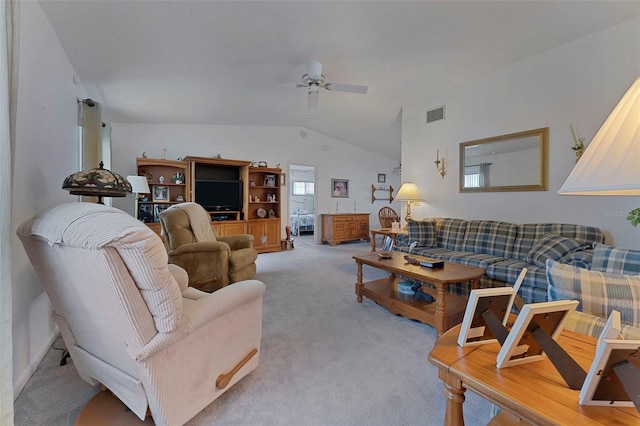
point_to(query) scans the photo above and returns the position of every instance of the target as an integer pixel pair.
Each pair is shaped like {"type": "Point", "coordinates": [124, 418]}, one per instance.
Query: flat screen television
{"type": "Point", "coordinates": [219, 194]}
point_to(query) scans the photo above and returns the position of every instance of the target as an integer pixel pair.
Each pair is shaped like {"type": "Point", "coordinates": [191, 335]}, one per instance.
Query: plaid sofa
{"type": "Point", "coordinates": [502, 248]}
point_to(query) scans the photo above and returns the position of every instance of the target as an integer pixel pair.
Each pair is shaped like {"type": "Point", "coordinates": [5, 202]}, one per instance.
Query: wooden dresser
{"type": "Point", "coordinates": [340, 227]}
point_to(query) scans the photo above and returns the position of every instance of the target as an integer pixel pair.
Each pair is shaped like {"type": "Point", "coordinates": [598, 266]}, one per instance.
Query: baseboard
{"type": "Point", "coordinates": [19, 384]}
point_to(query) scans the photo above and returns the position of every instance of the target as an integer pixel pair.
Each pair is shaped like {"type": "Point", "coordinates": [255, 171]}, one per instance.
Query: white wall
{"type": "Point", "coordinates": [578, 83]}
{"type": "Point", "coordinates": [45, 153]}
{"type": "Point", "coordinates": [275, 145]}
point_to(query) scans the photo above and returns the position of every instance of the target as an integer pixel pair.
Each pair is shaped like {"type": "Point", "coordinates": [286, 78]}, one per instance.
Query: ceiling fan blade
{"type": "Point", "coordinates": [314, 69]}
{"type": "Point", "coordinates": [351, 88]}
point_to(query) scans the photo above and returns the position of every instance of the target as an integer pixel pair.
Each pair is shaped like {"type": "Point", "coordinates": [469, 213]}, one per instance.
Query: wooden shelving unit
{"type": "Point", "coordinates": [263, 212]}
{"type": "Point", "coordinates": [162, 176]}
{"type": "Point", "coordinates": [260, 213]}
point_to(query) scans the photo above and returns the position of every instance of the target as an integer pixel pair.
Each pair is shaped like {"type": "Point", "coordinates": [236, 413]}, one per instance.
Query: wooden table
{"type": "Point", "coordinates": [387, 232]}
{"type": "Point", "coordinates": [534, 393]}
{"type": "Point", "coordinates": [446, 311]}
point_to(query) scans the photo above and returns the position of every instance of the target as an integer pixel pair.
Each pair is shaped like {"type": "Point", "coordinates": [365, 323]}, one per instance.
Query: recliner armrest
{"type": "Point", "coordinates": [202, 312]}
{"type": "Point", "coordinates": [239, 241]}
{"type": "Point", "coordinates": [205, 246]}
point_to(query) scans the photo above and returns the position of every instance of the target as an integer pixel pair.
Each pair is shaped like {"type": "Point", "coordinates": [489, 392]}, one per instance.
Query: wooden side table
{"type": "Point", "coordinates": [534, 393]}
{"type": "Point", "coordinates": [386, 232]}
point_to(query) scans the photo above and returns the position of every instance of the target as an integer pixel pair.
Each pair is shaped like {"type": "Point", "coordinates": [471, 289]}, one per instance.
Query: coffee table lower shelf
{"type": "Point", "coordinates": [385, 293]}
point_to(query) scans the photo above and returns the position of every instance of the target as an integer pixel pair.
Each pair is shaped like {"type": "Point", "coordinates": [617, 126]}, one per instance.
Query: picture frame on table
{"type": "Point", "coordinates": [157, 209]}
{"type": "Point", "coordinates": [499, 300]}
{"type": "Point", "coordinates": [270, 180]}
{"type": "Point", "coordinates": [145, 213]}
{"type": "Point", "coordinates": [520, 346]}
{"type": "Point", "coordinates": [339, 188]}
{"type": "Point", "coordinates": [475, 330]}
{"type": "Point", "coordinates": [160, 193]}
{"type": "Point", "coordinates": [613, 379]}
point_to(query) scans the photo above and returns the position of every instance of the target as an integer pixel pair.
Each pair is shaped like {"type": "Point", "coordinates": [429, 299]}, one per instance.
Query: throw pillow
{"type": "Point", "coordinates": [422, 231]}
{"type": "Point", "coordinates": [615, 260]}
{"type": "Point", "coordinates": [597, 292]}
{"type": "Point", "coordinates": [551, 246]}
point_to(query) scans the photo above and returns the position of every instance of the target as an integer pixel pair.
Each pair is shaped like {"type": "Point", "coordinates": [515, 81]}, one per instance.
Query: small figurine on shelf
{"type": "Point", "coordinates": [177, 178]}
{"type": "Point", "coordinates": [161, 179]}
{"type": "Point", "coordinates": [179, 198]}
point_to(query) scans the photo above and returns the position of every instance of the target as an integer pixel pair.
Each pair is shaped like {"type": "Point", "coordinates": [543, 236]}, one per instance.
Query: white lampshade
{"type": "Point", "coordinates": [139, 184]}
{"type": "Point", "coordinates": [611, 163]}
{"type": "Point", "coordinates": [409, 192]}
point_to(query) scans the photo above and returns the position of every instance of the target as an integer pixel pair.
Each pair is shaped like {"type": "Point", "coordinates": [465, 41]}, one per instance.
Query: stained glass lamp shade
{"type": "Point", "coordinates": [98, 182]}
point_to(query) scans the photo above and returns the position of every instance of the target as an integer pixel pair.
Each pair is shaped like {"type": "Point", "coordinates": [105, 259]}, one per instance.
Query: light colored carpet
{"type": "Point", "coordinates": [325, 359]}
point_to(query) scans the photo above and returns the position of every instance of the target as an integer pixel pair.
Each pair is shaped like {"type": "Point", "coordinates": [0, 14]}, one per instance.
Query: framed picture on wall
{"type": "Point", "coordinates": [339, 188]}
{"type": "Point", "coordinates": [382, 178]}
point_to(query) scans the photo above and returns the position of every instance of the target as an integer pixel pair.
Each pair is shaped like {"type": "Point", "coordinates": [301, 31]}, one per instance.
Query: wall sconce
{"type": "Point", "coordinates": [440, 164]}
{"type": "Point", "coordinates": [578, 144]}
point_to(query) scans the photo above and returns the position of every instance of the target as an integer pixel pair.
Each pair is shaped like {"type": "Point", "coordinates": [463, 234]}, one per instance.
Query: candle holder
{"type": "Point", "coordinates": [578, 147]}
{"type": "Point", "coordinates": [440, 164]}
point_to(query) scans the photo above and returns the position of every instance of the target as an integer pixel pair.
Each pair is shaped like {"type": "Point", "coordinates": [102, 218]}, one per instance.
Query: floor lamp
{"type": "Point", "coordinates": [139, 185]}
{"type": "Point", "coordinates": [98, 182]}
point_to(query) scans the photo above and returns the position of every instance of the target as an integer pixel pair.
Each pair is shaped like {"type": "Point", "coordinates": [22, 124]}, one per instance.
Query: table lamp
{"type": "Point", "coordinates": [609, 165]}
{"type": "Point", "coordinates": [139, 185]}
{"type": "Point", "coordinates": [410, 193]}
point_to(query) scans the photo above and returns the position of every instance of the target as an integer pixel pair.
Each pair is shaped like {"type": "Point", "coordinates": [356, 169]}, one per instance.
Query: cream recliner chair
{"type": "Point", "coordinates": [129, 320]}
{"type": "Point", "coordinates": [212, 262]}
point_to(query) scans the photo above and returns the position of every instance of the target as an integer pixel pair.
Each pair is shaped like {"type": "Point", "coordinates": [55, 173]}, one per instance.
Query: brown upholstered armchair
{"type": "Point", "coordinates": [212, 262]}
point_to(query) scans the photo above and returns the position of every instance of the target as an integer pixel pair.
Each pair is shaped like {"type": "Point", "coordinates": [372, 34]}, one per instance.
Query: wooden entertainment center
{"type": "Point", "coordinates": [172, 182]}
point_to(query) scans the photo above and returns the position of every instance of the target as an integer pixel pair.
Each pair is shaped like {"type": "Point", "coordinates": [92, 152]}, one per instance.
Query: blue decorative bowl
{"type": "Point", "coordinates": [404, 287]}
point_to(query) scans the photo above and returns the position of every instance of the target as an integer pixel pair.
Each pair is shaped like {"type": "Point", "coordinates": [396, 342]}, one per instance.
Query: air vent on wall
{"type": "Point", "coordinates": [435, 114]}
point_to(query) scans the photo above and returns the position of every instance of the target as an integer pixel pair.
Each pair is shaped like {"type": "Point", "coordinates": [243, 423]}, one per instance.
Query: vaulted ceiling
{"type": "Point", "coordinates": [238, 62]}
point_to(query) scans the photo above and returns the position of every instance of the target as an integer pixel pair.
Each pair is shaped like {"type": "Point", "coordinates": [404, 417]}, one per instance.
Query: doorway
{"type": "Point", "coordinates": [302, 202]}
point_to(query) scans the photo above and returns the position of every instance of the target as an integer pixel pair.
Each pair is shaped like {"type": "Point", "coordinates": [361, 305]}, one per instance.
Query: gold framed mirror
{"type": "Point", "coordinates": [507, 163]}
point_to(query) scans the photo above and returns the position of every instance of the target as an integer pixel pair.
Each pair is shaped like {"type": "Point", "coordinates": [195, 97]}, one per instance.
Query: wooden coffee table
{"type": "Point", "coordinates": [446, 311]}
{"type": "Point", "coordinates": [532, 393]}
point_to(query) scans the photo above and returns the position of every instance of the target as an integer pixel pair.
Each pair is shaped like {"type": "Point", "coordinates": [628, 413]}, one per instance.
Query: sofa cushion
{"type": "Point", "coordinates": [479, 260]}
{"type": "Point", "coordinates": [552, 246]}
{"type": "Point", "coordinates": [451, 233]}
{"type": "Point", "coordinates": [490, 237]}
{"type": "Point", "coordinates": [422, 231]}
{"type": "Point", "coordinates": [598, 292]}
{"type": "Point", "coordinates": [592, 325]}
{"type": "Point", "coordinates": [529, 234]}
{"type": "Point", "coordinates": [434, 252]}
{"type": "Point", "coordinates": [615, 260]}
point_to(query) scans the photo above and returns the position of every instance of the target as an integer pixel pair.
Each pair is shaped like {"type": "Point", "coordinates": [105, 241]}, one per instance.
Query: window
{"type": "Point", "coordinates": [302, 188]}
{"type": "Point", "coordinates": [472, 177]}
{"type": "Point", "coordinates": [476, 176]}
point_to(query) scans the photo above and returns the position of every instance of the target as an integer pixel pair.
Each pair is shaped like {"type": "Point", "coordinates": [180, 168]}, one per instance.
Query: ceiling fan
{"type": "Point", "coordinates": [314, 79]}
